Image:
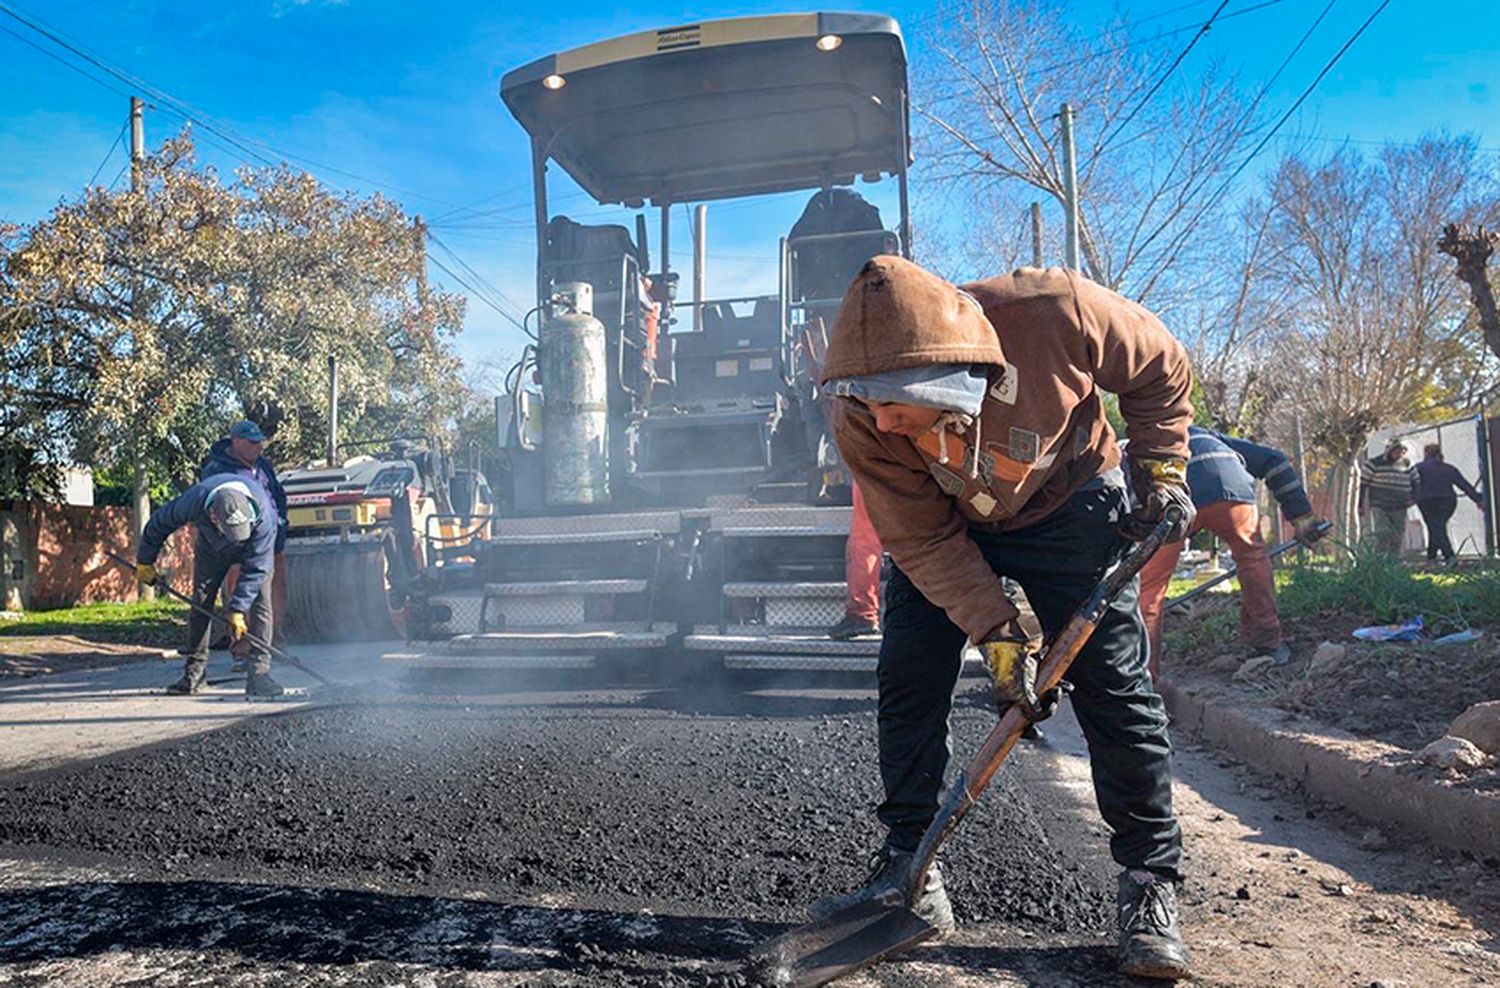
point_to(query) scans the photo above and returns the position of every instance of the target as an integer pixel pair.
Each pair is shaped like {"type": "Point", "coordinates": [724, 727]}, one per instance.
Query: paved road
{"type": "Point", "coordinates": [571, 834]}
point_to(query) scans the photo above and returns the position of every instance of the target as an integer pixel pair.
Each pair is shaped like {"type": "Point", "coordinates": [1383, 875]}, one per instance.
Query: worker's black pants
{"type": "Point", "coordinates": [209, 568]}
{"type": "Point", "coordinates": [1436, 513]}
{"type": "Point", "coordinates": [1057, 561]}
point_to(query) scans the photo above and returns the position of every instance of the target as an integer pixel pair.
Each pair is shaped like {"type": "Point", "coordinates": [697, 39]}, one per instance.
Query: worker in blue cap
{"type": "Point", "coordinates": [242, 453]}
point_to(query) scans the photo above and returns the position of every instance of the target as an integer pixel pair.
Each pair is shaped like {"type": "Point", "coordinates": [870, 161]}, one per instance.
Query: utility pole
{"type": "Point", "coordinates": [1036, 234]}
{"type": "Point", "coordinates": [419, 235]}
{"type": "Point", "coordinates": [140, 492]}
{"type": "Point", "coordinates": [1070, 189]}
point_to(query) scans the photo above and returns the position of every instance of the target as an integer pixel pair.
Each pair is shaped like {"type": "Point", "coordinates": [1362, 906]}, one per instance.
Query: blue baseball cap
{"type": "Point", "coordinates": [246, 429]}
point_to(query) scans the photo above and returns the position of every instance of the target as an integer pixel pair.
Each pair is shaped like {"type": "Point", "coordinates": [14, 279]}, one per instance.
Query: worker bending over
{"type": "Point", "coordinates": [1222, 471]}
{"type": "Point", "coordinates": [236, 522]}
{"type": "Point", "coordinates": [973, 423]}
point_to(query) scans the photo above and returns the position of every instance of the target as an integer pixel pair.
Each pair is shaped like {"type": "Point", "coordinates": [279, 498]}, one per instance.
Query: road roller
{"type": "Point", "coordinates": [361, 532]}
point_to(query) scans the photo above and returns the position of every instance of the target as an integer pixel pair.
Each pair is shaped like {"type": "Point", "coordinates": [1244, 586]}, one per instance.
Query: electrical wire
{"type": "Point", "coordinates": [1197, 37]}
{"type": "Point", "coordinates": [245, 145]}
{"type": "Point", "coordinates": [110, 153]}
{"type": "Point", "coordinates": [1305, 93]}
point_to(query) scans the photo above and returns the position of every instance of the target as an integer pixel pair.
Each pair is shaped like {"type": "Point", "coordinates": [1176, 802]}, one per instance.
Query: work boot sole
{"type": "Point", "coordinates": [1147, 962]}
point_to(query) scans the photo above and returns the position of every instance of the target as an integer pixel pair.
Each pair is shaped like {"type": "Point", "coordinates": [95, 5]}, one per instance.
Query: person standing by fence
{"type": "Point", "coordinates": [1388, 487]}
{"type": "Point", "coordinates": [1436, 480]}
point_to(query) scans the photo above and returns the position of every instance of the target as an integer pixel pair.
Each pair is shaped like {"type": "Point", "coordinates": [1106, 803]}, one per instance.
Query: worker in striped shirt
{"type": "Point", "coordinates": [1388, 486]}
{"type": "Point", "coordinates": [1221, 473]}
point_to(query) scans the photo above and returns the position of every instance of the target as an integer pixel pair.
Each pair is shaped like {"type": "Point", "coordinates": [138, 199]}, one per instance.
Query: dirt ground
{"type": "Point", "coordinates": [40, 655]}
{"type": "Point", "coordinates": [1402, 694]}
{"type": "Point", "coordinates": [594, 835]}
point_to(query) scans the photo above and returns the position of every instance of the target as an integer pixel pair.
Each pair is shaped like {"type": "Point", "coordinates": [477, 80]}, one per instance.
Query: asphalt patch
{"type": "Point", "coordinates": [610, 838]}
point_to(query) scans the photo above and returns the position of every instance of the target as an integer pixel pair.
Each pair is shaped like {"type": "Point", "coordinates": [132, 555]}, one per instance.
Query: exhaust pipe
{"type": "Point", "coordinates": [700, 263]}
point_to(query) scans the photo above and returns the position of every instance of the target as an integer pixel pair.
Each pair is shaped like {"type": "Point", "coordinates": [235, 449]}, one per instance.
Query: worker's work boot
{"type": "Point", "coordinates": [260, 686]}
{"type": "Point", "coordinates": [887, 872]}
{"type": "Point", "coordinates": [192, 681]}
{"type": "Point", "coordinates": [1150, 942]}
{"type": "Point", "coordinates": [852, 627]}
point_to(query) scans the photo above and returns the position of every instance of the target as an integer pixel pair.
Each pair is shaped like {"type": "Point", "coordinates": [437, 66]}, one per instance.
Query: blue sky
{"type": "Point", "coordinates": [405, 95]}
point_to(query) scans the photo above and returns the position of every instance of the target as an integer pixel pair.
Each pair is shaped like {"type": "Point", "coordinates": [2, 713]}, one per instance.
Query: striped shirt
{"type": "Point", "coordinates": [1389, 485]}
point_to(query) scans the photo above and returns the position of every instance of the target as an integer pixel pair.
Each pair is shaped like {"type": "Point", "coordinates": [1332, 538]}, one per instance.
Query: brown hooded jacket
{"type": "Point", "coordinates": [1051, 340]}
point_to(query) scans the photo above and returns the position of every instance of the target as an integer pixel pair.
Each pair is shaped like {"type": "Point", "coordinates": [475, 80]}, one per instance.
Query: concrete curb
{"type": "Point", "coordinates": [1340, 770]}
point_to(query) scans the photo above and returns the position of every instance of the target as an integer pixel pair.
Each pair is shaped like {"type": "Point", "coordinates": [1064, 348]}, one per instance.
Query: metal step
{"type": "Point", "coordinates": [565, 588]}
{"type": "Point", "coordinates": [784, 517]}
{"type": "Point", "coordinates": [713, 641]}
{"type": "Point", "coordinates": [768, 591]}
{"type": "Point", "coordinates": [804, 663]}
{"type": "Point", "coordinates": [575, 538]}
{"type": "Point", "coordinates": [783, 532]}
{"type": "Point", "coordinates": [596, 640]}
{"type": "Point", "coordinates": [449, 660]}
{"type": "Point", "coordinates": [553, 526]}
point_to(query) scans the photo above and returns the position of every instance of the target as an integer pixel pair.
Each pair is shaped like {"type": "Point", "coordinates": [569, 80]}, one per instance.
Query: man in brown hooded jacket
{"type": "Point", "coordinates": [973, 422]}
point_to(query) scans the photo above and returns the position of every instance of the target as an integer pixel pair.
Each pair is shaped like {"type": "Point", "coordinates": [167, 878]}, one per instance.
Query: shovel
{"type": "Point", "coordinates": [286, 657]}
{"type": "Point", "coordinates": [859, 936]}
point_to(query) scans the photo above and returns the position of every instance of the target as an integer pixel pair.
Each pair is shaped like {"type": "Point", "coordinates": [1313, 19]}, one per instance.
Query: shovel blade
{"type": "Point", "coordinates": [845, 942]}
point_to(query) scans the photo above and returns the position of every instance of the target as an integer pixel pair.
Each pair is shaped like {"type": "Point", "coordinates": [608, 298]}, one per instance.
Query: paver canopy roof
{"type": "Point", "coordinates": [722, 108]}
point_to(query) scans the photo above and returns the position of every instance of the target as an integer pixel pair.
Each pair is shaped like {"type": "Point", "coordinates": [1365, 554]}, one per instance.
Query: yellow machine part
{"type": "Point", "coordinates": [363, 513]}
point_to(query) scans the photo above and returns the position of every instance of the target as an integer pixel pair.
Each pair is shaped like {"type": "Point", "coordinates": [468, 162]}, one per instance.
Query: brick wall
{"type": "Point", "coordinates": [53, 555]}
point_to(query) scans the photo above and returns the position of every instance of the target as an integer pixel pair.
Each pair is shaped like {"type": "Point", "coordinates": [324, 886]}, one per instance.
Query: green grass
{"type": "Point", "coordinates": [157, 622]}
{"type": "Point", "coordinates": [1373, 586]}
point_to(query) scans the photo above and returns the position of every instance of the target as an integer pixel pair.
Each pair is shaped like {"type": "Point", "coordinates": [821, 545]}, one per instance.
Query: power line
{"type": "Point", "coordinates": [1197, 37]}
{"type": "Point", "coordinates": [107, 154]}
{"type": "Point", "coordinates": [1170, 33]}
{"type": "Point", "coordinates": [480, 286]}
{"type": "Point", "coordinates": [1306, 93]}
{"type": "Point", "coordinates": [63, 62]}
{"type": "Point", "coordinates": [243, 144]}
{"type": "Point", "coordinates": [1403, 145]}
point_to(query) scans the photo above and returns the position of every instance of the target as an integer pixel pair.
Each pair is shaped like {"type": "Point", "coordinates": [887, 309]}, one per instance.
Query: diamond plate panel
{"type": "Point", "coordinates": [465, 614]}
{"type": "Point", "coordinates": [768, 590]}
{"type": "Point", "coordinates": [665, 522]}
{"type": "Point", "coordinates": [783, 516]}
{"type": "Point", "coordinates": [804, 663]}
{"type": "Point", "coordinates": [803, 612]}
{"type": "Point", "coordinates": [534, 611]}
{"type": "Point", "coordinates": [709, 640]}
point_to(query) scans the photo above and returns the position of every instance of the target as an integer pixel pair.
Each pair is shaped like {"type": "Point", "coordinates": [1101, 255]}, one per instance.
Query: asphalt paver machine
{"type": "Point", "coordinates": [673, 494]}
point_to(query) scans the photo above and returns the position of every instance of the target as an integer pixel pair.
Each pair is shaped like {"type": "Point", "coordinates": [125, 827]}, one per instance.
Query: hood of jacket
{"type": "Point", "coordinates": [896, 315]}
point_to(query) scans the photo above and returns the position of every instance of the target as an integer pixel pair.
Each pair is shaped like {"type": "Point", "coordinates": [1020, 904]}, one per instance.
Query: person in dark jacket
{"type": "Point", "coordinates": [1222, 471]}
{"type": "Point", "coordinates": [241, 453]}
{"type": "Point", "coordinates": [236, 523]}
{"type": "Point", "coordinates": [1436, 480]}
{"type": "Point", "coordinates": [1388, 488]}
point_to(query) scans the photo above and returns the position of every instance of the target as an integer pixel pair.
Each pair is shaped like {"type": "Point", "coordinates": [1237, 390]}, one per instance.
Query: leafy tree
{"type": "Point", "coordinates": [137, 325]}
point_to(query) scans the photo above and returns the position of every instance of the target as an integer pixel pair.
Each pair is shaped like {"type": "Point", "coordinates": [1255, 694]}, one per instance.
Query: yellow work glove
{"type": "Point", "coordinates": [146, 573]}
{"type": "Point", "coordinates": [1013, 668]}
{"type": "Point", "coordinates": [1158, 484]}
{"type": "Point", "coordinates": [1309, 529]}
{"type": "Point", "coordinates": [238, 626]}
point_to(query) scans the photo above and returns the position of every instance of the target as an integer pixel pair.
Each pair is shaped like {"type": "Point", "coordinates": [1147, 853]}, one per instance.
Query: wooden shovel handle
{"type": "Point", "coordinates": [1057, 656]}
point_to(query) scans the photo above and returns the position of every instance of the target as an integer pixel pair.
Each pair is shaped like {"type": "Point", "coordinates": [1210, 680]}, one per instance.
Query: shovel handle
{"type": "Point", "coordinates": [170, 591]}
{"type": "Point", "coordinates": [1057, 656]}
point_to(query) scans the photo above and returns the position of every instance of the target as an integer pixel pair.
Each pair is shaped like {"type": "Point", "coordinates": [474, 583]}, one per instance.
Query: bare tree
{"type": "Point", "coordinates": [1471, 248]}
{"type": "Point", "coordinates": [1152, 162]}
{"type": "Point", "coordinates": [1379, 325]}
